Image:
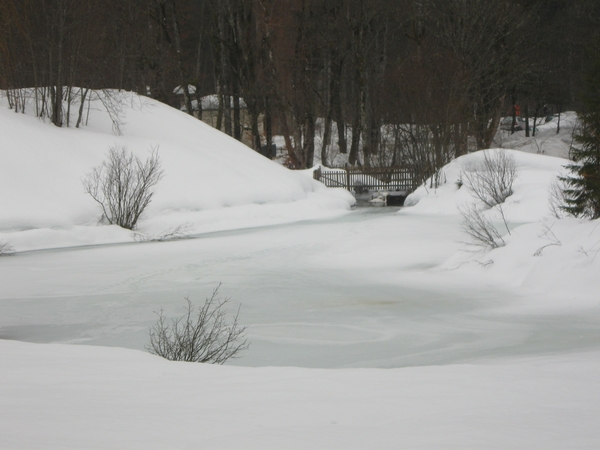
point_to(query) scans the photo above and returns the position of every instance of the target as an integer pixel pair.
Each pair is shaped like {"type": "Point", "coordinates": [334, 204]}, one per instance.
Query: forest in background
{"type": "Point", "coordinates": [389, 81]}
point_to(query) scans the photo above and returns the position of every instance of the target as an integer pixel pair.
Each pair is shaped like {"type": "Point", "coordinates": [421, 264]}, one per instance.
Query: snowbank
{"type": "Point", "coordinates": [76, 397]}
{"type": "Point", "coordinates": [529, 202]}
{"type": "Point", "coordinates": [549, 259]}
{"type": "Point", "coordinates": [211, 181]}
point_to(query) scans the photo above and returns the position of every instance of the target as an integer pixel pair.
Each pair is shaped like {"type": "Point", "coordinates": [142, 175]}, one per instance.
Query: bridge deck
{"type": "Point", "coordinates": [362, 179]}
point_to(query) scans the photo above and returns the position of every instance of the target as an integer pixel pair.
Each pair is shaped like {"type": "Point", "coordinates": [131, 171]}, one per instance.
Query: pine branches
{"type": "Point", "coordinates": [582, 188]}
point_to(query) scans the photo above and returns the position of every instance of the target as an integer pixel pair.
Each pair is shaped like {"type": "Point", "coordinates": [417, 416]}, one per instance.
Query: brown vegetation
{"type": "Point", "coordinates": [396, 81]}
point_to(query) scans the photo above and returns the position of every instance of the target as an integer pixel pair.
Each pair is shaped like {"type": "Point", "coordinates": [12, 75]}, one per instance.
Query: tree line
{"type": "Point", "coordinates": [389, 81]}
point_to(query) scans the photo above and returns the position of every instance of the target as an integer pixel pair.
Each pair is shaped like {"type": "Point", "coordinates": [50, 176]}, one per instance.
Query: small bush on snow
{"type": "Point", "coordinates": [492, 179]}
{"type": "Point", "coordinates": [122, 185]}
{"type": "Point", "coordinates": [491, 183]}
{"type": "Point", "coordinates": [480, 229]}
{"type": "Point", "coordinates": [202, 335]}
{"type": "Point", "coordinates": [6, 249]}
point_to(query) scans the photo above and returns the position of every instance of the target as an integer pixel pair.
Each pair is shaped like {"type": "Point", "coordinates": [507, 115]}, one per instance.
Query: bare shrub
{"type": "Point", "coordinates": [427, 149]}
{"type": "Point", "coordinates": [183, 231]}
{"type": "Point", "coordinates": [548, 235]}
{"type": "Point", "coordinates": [6, 249]}
{"type": "Point", "coordinates": [123, 184]}
{"type": "Point", "coordinates": [481, 230]}
{"type": "Point", "coordinates": [492, 179]}
{"type": "Point", "coordinates": [490, 182]}
{"type": "Point", "coordinates": [202, 335]}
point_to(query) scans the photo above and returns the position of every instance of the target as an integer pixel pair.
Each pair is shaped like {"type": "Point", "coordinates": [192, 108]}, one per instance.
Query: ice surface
{"type": "Point", "coordinates": [313, 294]}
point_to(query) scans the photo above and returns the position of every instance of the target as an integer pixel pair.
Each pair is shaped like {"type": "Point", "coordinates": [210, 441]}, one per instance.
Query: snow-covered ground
{"type": "Point", "coordinates": [546, 140]}
{"type": "Point", "coordinates": [372, 328]}
{"type": "Point", "coordinates": [211, 182]}
{"type": "Point", "coordinates": [74, 397]}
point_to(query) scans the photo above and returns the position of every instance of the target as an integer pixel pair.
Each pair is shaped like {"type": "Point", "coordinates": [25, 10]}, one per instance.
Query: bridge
{"type": "Point", "coordinates": [361, 179]}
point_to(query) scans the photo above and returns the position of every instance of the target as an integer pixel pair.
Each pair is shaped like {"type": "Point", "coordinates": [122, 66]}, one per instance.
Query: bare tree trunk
{"type": "Point", "coordinates": [227, 114]}
{"type": "Point", "coordinates": [69, 99]}
{"type": "Point", "coordinates": [309, 142]}
{"type": "Point", "coordinates": [224, 83]}
{"type": "Point", "coordinates": [57, 111]}
{"type": "Point", "coordinates": [293, 157]}
{"type": "Point", "coordinates": [253, 113]}
{"type": "Point", "coordinates": [326, 138]}
{"type": "Point", "coordinates": [493, 125]}
{"type": "Point", "coordinates": [535, 118]}
{"type": "Point", "coordinates": [514, 116]}
{"type": "Point", "coordinates": [269, 127]}
{"type": "Point", "coordinates": [356, 132]}
{"type": "Point", "coordinates": [237, 125]}
{"type": "Point", "coordinates": [220, 110]}
{"type": "Point", "coordinates": [81, 106]}
{"type": "Point", "coordinates": [182, 79]}
{"type": "Point", "coordinates": [336, 100]}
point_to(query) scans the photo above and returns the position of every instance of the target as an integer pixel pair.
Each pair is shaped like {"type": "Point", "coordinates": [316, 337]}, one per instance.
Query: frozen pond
{"type": "Point", "coordinates": [339, 293]}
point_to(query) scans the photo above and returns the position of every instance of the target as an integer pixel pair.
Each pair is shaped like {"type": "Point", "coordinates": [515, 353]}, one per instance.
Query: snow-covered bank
{"type": "Point", "coordinates": [74, 397]}
{"type": "Point", "coordinates": [549, 259]}
{"type": "Point", "coordinates": [211, 182]}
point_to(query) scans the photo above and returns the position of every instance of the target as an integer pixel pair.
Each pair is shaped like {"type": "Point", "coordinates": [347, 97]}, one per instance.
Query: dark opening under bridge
{"type": "Point", "coordinates": [361, 179]}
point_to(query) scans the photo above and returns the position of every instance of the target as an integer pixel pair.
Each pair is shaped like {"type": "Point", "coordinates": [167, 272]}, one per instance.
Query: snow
{"type": "Point", "coordinates": [546, 140]}
{"type": "Point", "coordinates": [547, 258]}
{"type": "Point", "coordinates": [115, 398]}
{"type": "Point", "coordinates": [370, 328]}
{"type": "Point", "coordinates": [211, 181]}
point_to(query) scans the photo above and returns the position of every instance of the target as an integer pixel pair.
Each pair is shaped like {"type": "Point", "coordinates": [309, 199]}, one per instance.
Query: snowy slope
{"type": "Point", "coordinates": [210, 180]}
{"type": "Point", "coordinates": [547, 141]}
{"type": "Point", "coordinates": [548, 258]}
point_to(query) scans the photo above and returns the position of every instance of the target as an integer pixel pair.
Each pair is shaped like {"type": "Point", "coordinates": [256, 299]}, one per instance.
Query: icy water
{"type": "Point", "coordinates": [313, 294]}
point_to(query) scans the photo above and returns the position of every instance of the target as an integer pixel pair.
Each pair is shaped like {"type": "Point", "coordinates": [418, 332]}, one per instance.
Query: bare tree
{"type": "Point", "coordinates": [123, 184]}
{"type": "Point", "coordinates": [450, 67]}
{"type": "Point", "coordinates": [202, 335]}
{"type": "Point", "coordinates": [486, 41]}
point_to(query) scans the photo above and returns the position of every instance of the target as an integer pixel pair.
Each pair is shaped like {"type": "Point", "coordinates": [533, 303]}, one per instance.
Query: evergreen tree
{"type": "Point", "coordinates": [582, 188]}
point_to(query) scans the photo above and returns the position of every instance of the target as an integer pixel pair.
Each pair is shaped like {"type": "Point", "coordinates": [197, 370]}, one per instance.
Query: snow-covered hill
{"type": "Point", "coordinates": [211, 181]}
{"type": "Point", "coordinates": [552, 258]}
